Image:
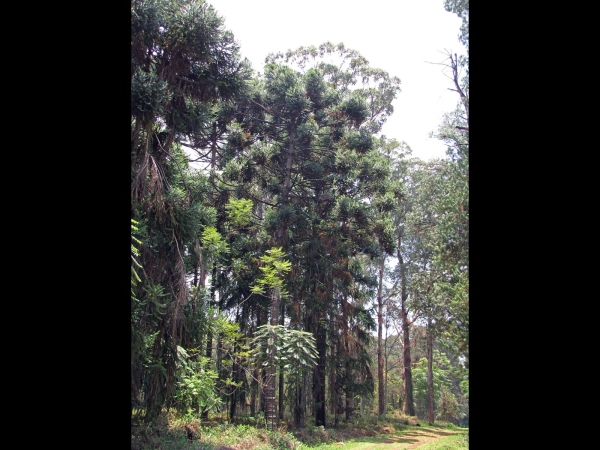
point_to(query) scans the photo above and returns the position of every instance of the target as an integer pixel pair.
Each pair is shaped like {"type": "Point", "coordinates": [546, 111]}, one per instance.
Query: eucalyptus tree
{"type": "Point", "coordinates": [437, 250]}
{"type": "Point", "coordinates": [398, 207]}
{"type": "Point", "coordinates": [182, 59]}
{"type": "Point", "coordinates": [385, 203]}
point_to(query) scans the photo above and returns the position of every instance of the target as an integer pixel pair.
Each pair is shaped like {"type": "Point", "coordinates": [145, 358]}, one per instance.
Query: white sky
{"type": "Point", "coordinates": [398, 36]}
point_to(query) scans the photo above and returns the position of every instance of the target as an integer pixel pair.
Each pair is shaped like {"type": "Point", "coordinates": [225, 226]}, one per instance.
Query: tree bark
{"type": "Point", "coordinates": [319, 375]}
{"type": "Point", "coordinates": [270, 403]}
{"type": "Point", "coordinates": [332, 374]}
{"type": "Point", "coordinates": [409, 404]}
{"type": "Point", "coordinates": [430, 403]}
{"type": "Point", "coordinates": [380, 378]}
{"type": "Point", "coordinates": [349, 405]}
{"type": "Point", "coordinates": [281, 379]}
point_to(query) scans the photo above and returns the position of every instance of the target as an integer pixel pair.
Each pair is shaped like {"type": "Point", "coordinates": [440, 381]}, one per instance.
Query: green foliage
{"type": "Point", "coordinates": [148, 94]}
{"type": "Point", "coordinates": [441, 383]}
{"type": "Point", "coordinates": [196, 385]}
{"type": "Point", "coordinates": [464, 387]}
{"type": "Point", "coordinates": [273, 268]}
{"type": "Point", "coordinates": [290, 349]}
{"type": "Point", "coordinates": [299, 348]}
{"type": "Point", "coordinates": [213, 243]}
{"type": "Point", "coordinates": [447, 408]}
{"type": "Point", "coordinates": [461, 9]}
{"type": "Point", "coordinates": [239, 211]}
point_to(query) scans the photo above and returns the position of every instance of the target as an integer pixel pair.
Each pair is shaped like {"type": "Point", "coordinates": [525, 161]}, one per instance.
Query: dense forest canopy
{"type": "Point", "coordinates": [277, 235]}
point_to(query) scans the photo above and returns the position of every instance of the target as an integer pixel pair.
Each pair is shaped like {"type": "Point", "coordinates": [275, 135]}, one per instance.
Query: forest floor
{"type": "Point", "coordinates": [172, 433]}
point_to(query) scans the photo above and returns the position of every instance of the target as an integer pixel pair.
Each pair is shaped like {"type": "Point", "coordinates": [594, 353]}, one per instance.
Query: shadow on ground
{"type": "Point", "coordinates": [408, 437]}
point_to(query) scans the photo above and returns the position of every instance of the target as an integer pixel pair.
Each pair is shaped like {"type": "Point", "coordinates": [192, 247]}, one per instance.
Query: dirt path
{"type": "Point", "coordinates": [408, 440]}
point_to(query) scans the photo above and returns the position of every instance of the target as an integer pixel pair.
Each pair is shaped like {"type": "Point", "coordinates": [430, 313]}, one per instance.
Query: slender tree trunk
{"type": "Point", "coordinates": [349, 405]}
{"type": "Point", "coordinates": [409, 404]}
{"type": "Point", "coordinates": [209, 337]}
{"type": "Point", "coordinates": [209, 345]}
{"type": "Point", "coordinates": [281, 379]}
{"type": "Point", "coordinates": [213, 159]}
{"type": "Point", "coordinates": [300, 406]}
{"type": "Point", "coordinates": [345, 347]}
{"type": "Point", "coordinates": [281, 396]}
{"type": "Point", "coordinates": [235, 393]}
{"type": "Point", "coordinates": [263, 391]}
{"type": "Point", "coordinates": [253, 391]}
{"type": "Point", "coordinates": [380, 381]}
{"type": "Point", "coordinates": [271, 405]}
{"type": "Point", "coordinates": [386, 357]}
{"type": "Point", "coordinates": [430, 403]}
{"type": "Point", "coordinates": [332, 373]}
{"type": "Point", "coordinates": [319, 374]}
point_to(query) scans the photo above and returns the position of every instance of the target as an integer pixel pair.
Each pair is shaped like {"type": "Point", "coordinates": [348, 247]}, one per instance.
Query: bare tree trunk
{"type": "Point", "coordinates": [281, 385]}
{"type": "Point", "coordinates": [332, 373]}
{"type": "Point", "coordinates": [380, 382]}
{"type": "Point", "coordinates": [300, 407]}
{"type": "Point", "coordinates": [270, 403]}
{"type": "Point", "coordinates": [281, 396]}
{"type": "Point", "coordinates": [319, 374]}
{"type": "Point", "coordinates": [263, 316]}
{"type": "Point", "coordinates": [386, 357]}
{"type": "Point", "coordinates": [430, 403]}
{"type": "Point", "coordinates": [409, 404]}
{"type": "Point", "coordinates": [253, 391]}
{"type": "Point", "coordinates": [349, 405]}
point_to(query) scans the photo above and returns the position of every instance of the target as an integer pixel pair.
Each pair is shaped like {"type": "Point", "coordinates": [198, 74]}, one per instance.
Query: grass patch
{"type": "Point", "coordinates": [458, 441]}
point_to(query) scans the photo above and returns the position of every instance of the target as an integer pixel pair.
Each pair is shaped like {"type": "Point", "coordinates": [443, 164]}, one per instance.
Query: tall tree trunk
{"type": "Point", "coordinates": [282, 241]}
{"type": "Point", "coordinates": [281, 379]}
{"type": "Point", "coordinates": [430, 403]}
{"type": "Point", "coordinates": [254, 389]}
{"type": "Point", "coordinates": [300, 400]}
{"type": "Point", "coordinates": [409, 404]}
{"type": "Point", "coordinates": [270, 404]}
{"type": "Point", "coordinates": [263, 372]}
{"type": "Point", "coordinates": [386, 356]}
{"type": "Point", "coordinates": [237, 377]}
{"type": "Point", "coordinates": [349, 405]}
{"type": "Point", "coordinates": [332, 374]}
{"type": "Point", "coordinates": [281, 408]}
{"type": "Point", "coordinates": [209, 337]}
{"type": "Point", "coordinates": [299, 405]}
{"type": "Point", "coordinates": [380, 383]}
{"type": "Point", "coordinates": [213, 160]}
{"type": "Point", "coordinates": [319, 373]}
